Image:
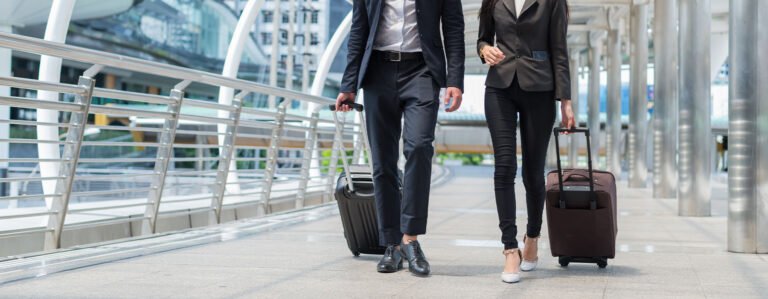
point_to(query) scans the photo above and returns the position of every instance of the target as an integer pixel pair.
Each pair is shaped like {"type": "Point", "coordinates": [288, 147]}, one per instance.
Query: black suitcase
{"type": "Point", "coordinates": [358, 211]}
{"type": "Point", "coordinates": [355, 198]}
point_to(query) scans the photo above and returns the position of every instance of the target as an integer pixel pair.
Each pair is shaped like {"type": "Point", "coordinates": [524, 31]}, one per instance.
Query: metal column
{"type": "Point", "coordinates": [665, 99]}
{"type": "Point", "coordinates": [227, 151]}
{"type": "Point", "coordinates": [164, 156]}
{"type": "Point", "coordinates": [310, 146]}
{"type": "Point", "coordinates": [762, 132]}
{"type": "Point", "coordinates": [695, 139]}
{"type": "Point", "coordinates": [638, 112]}
{"type": "Point", "coordinates": [573, 151]}
{"type": "Point", "coordinates": [613, 104]}
{"type": "Point", "coordinates": [593, 107]}
{"type": "Point", "coordinates": [747, 192]}
{"type": "Point", "coordinates": [272, 155]}
{"type": "Point", "coordinates": [68, 166]}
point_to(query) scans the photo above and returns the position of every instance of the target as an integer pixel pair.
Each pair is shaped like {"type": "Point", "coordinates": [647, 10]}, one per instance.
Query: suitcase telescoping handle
{"type": "Point", "coordinates": [556, 132]}
{"type": "Point", "coordinates": [339, 130]}
{"type": "Point", "coordinates": [357, 107]}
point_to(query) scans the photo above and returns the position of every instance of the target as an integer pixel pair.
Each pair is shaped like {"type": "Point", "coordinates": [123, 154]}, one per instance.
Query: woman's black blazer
{"type": "Point", "coordinates": [534, 45]}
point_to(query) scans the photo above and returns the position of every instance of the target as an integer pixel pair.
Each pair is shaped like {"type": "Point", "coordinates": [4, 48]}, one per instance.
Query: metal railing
{"type": "Point", "coordinates": [250, 156]}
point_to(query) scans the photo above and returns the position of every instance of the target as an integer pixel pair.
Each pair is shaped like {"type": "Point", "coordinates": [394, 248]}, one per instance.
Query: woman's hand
{"type": "Point", "coordinates": [492, 55]}
{"type": "Point", "coordinates": [566, 110]}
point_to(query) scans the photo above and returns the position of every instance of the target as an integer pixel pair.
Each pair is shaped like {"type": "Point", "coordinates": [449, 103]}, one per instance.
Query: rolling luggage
{"type": "Point", "coordinates": [581, 211]}
{"type": "Point", "coordinates": [355, 197]}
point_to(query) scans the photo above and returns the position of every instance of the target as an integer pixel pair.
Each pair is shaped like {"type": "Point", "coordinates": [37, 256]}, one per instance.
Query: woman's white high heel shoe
{"type": "Point", "coordinates": [529, 265]}
{"type": "Point", "coordinates": [511, 277]}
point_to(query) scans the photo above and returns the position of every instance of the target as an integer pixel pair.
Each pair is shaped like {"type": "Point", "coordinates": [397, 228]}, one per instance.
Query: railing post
{"type": "Point", "coordinates": [226, 153]}
{"type": "Point", "coordinates": [306, 162]}
{"type": "Point", "coordinates": [68, 168]}
{"type": "Point", "coordinates": [272, 155]}
{"type": "Point", "coordinates": [164, 156]}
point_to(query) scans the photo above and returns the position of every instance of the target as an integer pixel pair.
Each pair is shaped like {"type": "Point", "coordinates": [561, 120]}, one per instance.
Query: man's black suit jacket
{"type": "Point", "coordinates": [365, 20]}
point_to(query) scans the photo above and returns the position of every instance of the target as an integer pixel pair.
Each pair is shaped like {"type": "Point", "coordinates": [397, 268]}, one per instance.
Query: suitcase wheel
{"type": "Point", "coordinates": [356, 253]}
{"type": "Point", "coordinates": [564, 261]}
{"type": "Point", "coordinates": [602, 263]}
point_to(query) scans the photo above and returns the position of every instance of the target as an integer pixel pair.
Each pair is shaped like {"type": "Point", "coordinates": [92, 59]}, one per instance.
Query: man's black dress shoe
{"type": "Point", "coordinates": [392, 261]}
{"type": "Point", "coordinates": [417, 262]}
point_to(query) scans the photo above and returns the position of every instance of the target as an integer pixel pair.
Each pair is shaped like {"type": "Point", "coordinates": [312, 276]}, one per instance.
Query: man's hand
{"type": "Point", "coordinates": [455, 93]}
{"type": "Point", "coordinates": [566, 110]}
{"type": "Point", "coordinates": [343, 99]}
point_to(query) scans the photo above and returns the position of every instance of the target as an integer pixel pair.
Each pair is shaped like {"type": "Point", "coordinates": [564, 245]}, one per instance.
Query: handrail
{"type": "Point", "coordinates": [42, 47]}
{"type": "Point", "coordinates": [277, 147]}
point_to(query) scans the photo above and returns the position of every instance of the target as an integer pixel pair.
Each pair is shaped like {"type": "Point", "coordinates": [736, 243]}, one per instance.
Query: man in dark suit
{"type": "Point", "coordinates": [396, 55]}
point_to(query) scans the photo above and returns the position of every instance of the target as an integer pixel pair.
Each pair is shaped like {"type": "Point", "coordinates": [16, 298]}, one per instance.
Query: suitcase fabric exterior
{"type": "Point", "coordinates": [581, 216]}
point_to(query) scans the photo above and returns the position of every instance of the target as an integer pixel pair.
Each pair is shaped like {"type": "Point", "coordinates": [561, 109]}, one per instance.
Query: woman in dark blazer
{"type": "Point", "coordinates": [524, 43]}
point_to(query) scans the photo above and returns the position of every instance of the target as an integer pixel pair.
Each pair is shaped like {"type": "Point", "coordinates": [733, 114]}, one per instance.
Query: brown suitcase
{"type": "Point", "coordinates": [581, 211]}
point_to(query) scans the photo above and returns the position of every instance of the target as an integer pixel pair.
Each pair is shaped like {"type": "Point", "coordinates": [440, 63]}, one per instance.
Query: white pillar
{"type": "Point", "coordinates": [50, 71]}
{"type": "Point", "coordinates": [5, 111]}
{"type": "Point", "coordinates": [231, 66]}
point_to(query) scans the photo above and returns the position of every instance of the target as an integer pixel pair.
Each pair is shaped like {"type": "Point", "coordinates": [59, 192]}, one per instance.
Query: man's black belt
{"type": "Point", "coordinates": [397, 56]}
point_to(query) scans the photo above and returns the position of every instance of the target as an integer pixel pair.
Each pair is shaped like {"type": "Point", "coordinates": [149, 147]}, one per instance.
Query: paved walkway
{"type": "Point", "coordinates": [659, 255]}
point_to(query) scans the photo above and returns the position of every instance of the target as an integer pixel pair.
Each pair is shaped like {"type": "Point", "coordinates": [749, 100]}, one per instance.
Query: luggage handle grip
{"type": "Point", "coordinates": [556, 132]}
{"type": "Point", "coordinates": [357, 107]}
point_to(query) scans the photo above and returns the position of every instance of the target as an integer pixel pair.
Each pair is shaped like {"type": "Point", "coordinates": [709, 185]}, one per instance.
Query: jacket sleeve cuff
{"type": "Point", "coordinates": [480, 45]}
{"type": "Point", "coordinates": [559, 95]}
{"type": "Point", "coordinates": [349, 88]}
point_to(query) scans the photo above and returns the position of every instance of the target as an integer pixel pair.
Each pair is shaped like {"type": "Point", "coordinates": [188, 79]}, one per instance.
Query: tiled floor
{"type": "Point", "coordinates": [658, 255]}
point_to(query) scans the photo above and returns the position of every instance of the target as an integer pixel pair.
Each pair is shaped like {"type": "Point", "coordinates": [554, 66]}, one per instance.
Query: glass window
{"type": "Point", "coordinates": [314, 40]}
{"type": "Point", "coordinates": [266, 38]}
{"type": "Point", "coordinates": [315, 16]}
{"type": "Point", "coordinates": [267, 16]}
